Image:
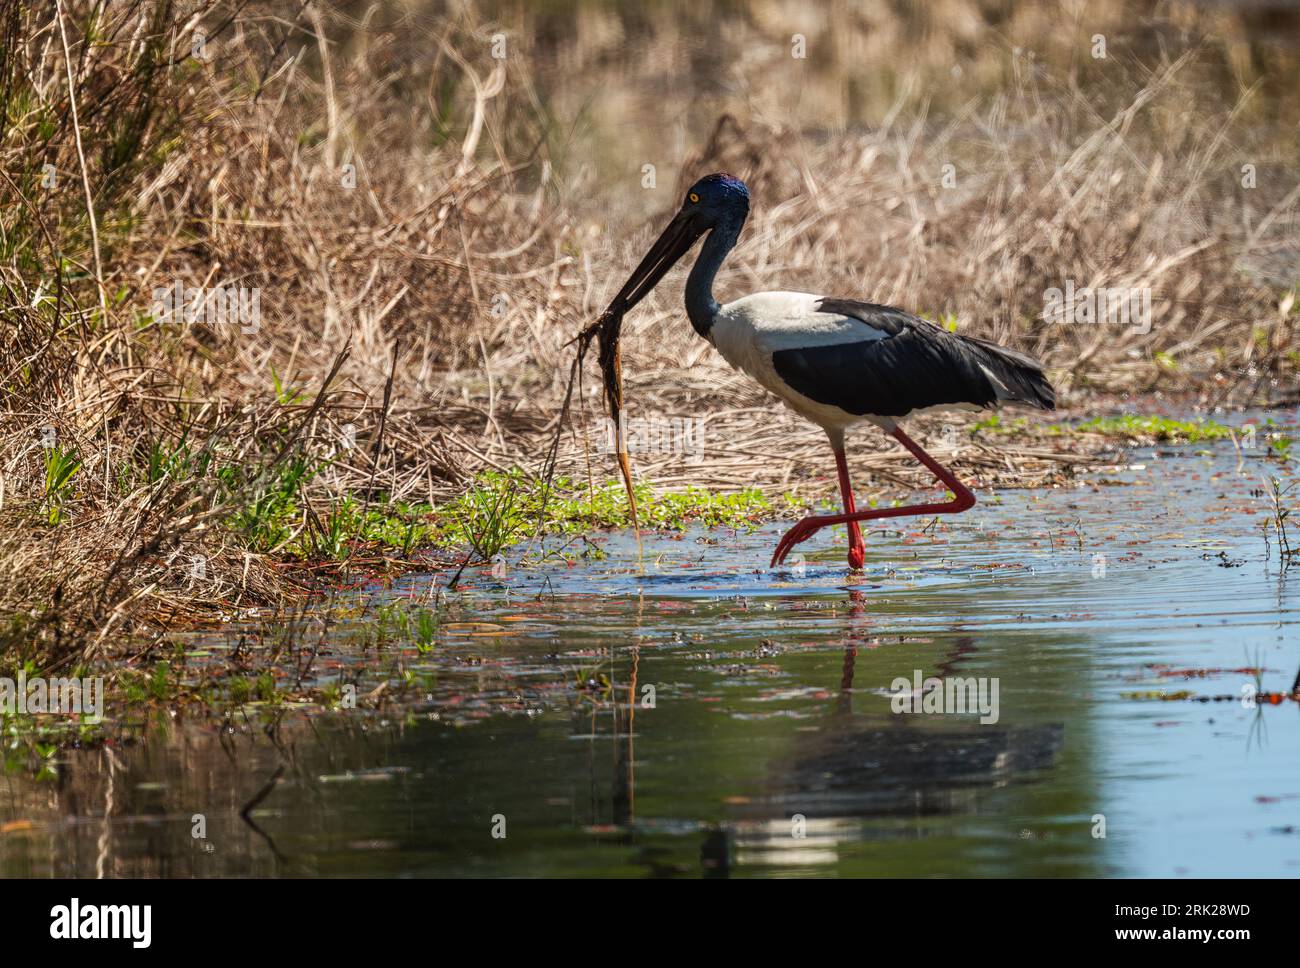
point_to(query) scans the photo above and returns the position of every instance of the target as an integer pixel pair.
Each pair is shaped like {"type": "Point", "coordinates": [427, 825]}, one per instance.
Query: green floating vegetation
{"type": "Point", "coordinates": [1135, 427]}
{"type": "Point", "coordinates": [403, 622]}
{"type": "Point", "coordinates": [1127, 427]}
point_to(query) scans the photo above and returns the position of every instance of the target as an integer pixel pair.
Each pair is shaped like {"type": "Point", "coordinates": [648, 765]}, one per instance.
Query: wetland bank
{"type": "Point", "coordinates": [348, 619]}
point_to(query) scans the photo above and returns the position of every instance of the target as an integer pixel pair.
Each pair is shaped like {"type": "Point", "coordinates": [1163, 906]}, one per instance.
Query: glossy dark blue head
{"type": "Point", "coordinates": [717, 201]}
{"type": "Point", "coordinates": [715, 198]}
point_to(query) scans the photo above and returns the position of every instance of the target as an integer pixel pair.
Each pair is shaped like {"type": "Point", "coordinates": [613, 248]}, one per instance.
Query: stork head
{"type": "Point", "coordinates": [715, 201]}
{"type": "Point", "coordinates": [716, 198]}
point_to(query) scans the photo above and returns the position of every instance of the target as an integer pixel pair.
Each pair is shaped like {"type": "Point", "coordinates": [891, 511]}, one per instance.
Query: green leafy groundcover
{"type": "Point", "coordinates": [498, 509]}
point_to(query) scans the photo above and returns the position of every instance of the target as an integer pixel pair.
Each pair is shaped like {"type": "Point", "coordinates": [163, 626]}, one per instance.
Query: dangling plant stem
{"type": "Point", "coordinates": [605, 330]}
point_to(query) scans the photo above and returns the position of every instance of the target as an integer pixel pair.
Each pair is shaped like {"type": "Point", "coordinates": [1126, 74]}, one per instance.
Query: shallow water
{"type": "Point", "coordinates": [770, 702]}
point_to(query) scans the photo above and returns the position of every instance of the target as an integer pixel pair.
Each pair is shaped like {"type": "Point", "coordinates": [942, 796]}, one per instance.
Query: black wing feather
{"type": "Point", "coordinates": [914, 365]}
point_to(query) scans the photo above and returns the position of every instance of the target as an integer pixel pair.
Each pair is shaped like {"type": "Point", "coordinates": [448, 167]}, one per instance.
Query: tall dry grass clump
{"type": "Point", "coordinates": [150, 461]}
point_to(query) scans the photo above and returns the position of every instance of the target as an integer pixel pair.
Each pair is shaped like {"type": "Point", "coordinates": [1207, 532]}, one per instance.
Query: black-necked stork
{"type": "Point", "coordinates": [834, 361]}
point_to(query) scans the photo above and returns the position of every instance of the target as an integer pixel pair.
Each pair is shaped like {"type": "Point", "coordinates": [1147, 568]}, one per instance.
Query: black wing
{"type": "Point", "coordinates": [910, 364]}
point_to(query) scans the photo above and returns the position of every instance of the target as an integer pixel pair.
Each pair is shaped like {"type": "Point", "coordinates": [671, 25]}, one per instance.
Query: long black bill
{"type": "Point", "coordinates": [676, 240]}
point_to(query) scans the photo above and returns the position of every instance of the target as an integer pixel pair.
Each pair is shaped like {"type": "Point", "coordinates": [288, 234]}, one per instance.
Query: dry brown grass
{"type": "Point", "coordinates": [480, 235]}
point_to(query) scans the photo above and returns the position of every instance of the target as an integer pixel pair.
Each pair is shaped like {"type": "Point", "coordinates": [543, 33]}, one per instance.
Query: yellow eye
{"type": "Point", "coordinates": [694, 197]}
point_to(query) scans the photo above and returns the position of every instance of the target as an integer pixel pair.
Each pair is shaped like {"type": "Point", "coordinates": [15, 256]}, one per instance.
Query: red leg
{"type": "Point", "coordinates": [805, 529]}
{"type": "Point", "coordinates": [857, 550]}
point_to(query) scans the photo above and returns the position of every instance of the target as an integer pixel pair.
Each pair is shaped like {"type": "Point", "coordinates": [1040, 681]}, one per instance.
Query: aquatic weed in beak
{"type": "Point", "coordinates": [606, 330]}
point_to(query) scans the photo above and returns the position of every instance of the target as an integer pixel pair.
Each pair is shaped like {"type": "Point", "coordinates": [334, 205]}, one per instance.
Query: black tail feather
{"type": "Point", "coordinates": [1019, 373]}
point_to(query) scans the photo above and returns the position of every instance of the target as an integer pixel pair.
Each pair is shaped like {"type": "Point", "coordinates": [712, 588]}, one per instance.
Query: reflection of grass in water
{"type": "Point", "coordinates": [400, 621]}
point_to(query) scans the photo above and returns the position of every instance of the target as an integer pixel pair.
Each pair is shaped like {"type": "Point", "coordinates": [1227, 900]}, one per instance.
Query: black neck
{"type": "Point", "coordinates": [701, 307]}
